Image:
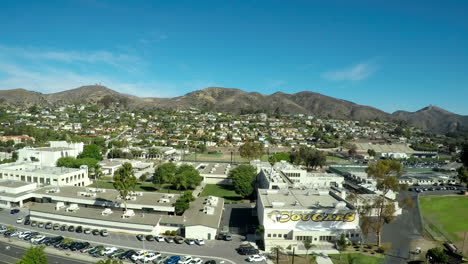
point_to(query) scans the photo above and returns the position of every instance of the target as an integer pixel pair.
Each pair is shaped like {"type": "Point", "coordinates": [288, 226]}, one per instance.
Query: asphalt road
{"type": "Point", "coordinates": [12, 253]}
{"type": "Point", "coordinates": [214, 249]}
{"type": "Point", "coordinates": [405, 228]}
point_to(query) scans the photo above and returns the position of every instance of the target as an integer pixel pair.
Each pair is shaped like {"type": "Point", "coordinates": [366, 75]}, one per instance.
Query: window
{"type": "Point", "coordinates": [269, 235]}
{"type": "Point", "coordinates": [285, 235]}
{"type": "Point", "coordinates": [274, 235]}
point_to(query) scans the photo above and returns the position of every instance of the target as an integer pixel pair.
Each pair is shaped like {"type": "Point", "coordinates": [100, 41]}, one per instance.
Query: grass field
{"type": "Point", "coordinates": [224, 191]}
{"type": "Point", "coordinates": [449, 212]}
{"type": "Point", "coordinates": [141, 187]}
{"type": "Point", "coordinates": [359, 258]}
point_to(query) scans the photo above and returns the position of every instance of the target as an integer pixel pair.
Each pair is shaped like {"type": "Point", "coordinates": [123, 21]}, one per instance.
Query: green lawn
{"type": "Point", "coordinates": [141, 187]}
{"type": "Point", "coordinates": [450, 213]}
{"type": "Point", "coordinates": [359, 258]}
{"type": "Point", "coordinates": [225, 191]}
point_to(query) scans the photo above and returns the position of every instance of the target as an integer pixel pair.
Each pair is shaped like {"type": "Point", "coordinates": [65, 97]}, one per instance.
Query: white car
{"type": "Point", "coordinates": [159, 238]}
{"type": "Point", "coordinates": [185, 260]}
{"type": "Point", "coordinates": [256, 258]}
{"type": "Point", "coordinates": [151, 256]}
{"type": "Point", "coordinates": [24, 234]}
{"type": "Point", "coordinates": [196, 261]}
{"type": "Point", "coordinates": [200, 242]}
{"type": "Point", "coordinates": [108, 250]}
{"type": "Point", "coordinates": [37, 239]}
{"type": "Point", "coordinates": [139, 255]}
{"type": "Point", "coordinates": [19, 220]}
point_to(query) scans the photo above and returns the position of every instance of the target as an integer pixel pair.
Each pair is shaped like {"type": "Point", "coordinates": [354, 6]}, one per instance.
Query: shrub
{"type": "Point", "coordinates": [173, 233]}
{"type": "Point", "coordinates": [167, 233]}
{"type": "Point", "coordinates": [380, 250]}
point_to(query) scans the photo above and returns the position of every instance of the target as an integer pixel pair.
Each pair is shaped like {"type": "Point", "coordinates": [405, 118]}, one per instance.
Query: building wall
{"type": "Point", "coordinates": [201, 232]}
{"type": "Point", "coordinates": [75, 177]}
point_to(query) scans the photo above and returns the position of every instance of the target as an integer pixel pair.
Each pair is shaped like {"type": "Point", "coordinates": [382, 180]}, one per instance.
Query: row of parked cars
{"type": "Point", "coordinates": [420, 189]}
{"type": "Point", "coordinates": [61, 243]}
{"type": "Point", "coordinates": [169, 239]}
{"type": "Point", "coordinates": [62, 227]}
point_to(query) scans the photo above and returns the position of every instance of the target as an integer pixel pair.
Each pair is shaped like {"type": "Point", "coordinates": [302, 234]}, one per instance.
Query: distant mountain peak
{"type": "Point", "coordinates": [231, 100]}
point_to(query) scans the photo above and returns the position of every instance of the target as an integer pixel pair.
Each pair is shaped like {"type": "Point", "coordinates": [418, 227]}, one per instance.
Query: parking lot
{"type": "Point", "coordinates": [212, 250]}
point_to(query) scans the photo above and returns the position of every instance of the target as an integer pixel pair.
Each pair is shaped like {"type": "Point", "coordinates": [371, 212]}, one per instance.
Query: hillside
{"type": "Point", "coordinates": [229, 100]}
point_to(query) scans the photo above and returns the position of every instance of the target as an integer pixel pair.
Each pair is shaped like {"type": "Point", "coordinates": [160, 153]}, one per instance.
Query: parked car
{"type": "Point", "coordinates": [95, 232]}
{"type": "Point", "coordinates": [190, 241]}
{"type": "Point", "coordinates": [82, 246]}
{"type": "Point", "coordinates": [140, 255]}
{"type": "Point", "coordinates": [63, 227]}
{"type": "Point", "coordinates": [179, 240]}
{"type": "Point", "coordinates": [172, 260]}
{"type": "Point", "coordinates": [27, 221]}
{"type": "Point", "coordinates": [159, 238]}
{"type": "Point", "coordinates": [56, 226]}
{"type": "Point", "coordinates": [199, 241]}
{"type": "Point", "coordinates": [185, 260]}
{"type": "Point", "coordinates": [14, 211]}
{"type": "Point", "coordinates": [169, 239]}
{"type": "Point", "coordinates": [108, 250]}
{"type": "Point", "coordinates": [48, 225]}
{"type": "Point", "coordinates": [54, 240]}
{"type": "Point", "coordinates": [256, 258]}
{"type": "Point", "coordinates": [116, 253]}
{"type": "Point", "coordinates": [210, 261]}
{"type": "Point", "coordinates": [196, 261]}
{"type": "Point", "coordinates": [87, 231]}
{"type": "Point", "coordinates": [150, 238]}
{"type": "Point", "coordinates": [71, 229]}
{"type": "Point", "coordinates": [128, 254]}
{"type": "Point", "coordinates": [19, 220]}
{"type": "Point", "coordinates": [104, 232]}
{"type": "Point", "coordinates": [40, 225]}
{"type": "Point", "coordinates": [79, 229]}
{"type": "Point", "coordinates": [140, 237]}
{"type": "Point", "coordinates": [151, 256]}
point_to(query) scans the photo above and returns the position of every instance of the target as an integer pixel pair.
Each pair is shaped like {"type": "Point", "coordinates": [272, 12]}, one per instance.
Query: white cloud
{"type": "Point", "coordinates": [357, 72]}
{"type": "Point", "coordinates": [126, 62]}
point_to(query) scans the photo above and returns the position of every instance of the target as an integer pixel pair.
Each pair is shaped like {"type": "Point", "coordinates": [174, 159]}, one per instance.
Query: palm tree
{"type": "Point", "coordinates": [308, 245]}
{"type": "Point", "coordinates": [276, 252]}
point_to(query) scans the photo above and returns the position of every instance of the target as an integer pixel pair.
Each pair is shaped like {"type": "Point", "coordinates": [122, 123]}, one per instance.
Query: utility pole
{"type": "Point", "coordinates": [294, 250]}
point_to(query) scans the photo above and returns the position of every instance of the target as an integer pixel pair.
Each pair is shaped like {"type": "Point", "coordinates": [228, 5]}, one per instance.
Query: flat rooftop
{"type": "Point", "coordinates": [14, 184]}
{"type": "Point", "coordinates": [96, 213]}
{"type": "Point", "coordinates": [28, 167]}
{"type": "Point", "coordinates": [297, 199]}
{"type": "Point", "coordinates": [51, 149]}
{"type": "Point", "coordinates": [148, 198]}
{"type": "Point", "coordinates": [208, 168]}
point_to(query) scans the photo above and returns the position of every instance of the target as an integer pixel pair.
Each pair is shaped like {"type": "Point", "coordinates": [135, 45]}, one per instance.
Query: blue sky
{"type": "Point", "coordinates": [387, 54]}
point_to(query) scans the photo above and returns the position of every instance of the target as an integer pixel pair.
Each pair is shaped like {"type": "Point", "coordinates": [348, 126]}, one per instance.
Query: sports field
{"type": "Point", "coordinates": [449, 212]}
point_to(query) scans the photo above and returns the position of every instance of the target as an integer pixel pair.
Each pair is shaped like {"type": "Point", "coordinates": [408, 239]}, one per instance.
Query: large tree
{"type": "Point", "coordinates": [309, 157]}
{"type": "Point", "coordinates": [164, 173]}
{"type": "Point", "coordinates": [125, 181]}
{"type": "Point", "coordinates": [34, 255]}
{"type": "Point", "coordinates": [243, 179]}
{"type": "Point", "coordinates": [91, 151]}
{"type": "Point", "coordinates": [251, 150]}
{"type": "Point", "coordinates": [464, 155]}
{"type": "Point", "coordinates": [381, 211]}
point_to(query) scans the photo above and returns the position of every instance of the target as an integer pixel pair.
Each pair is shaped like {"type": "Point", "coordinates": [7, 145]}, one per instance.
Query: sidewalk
{"type": "Point", "coordinates": [323, 260]}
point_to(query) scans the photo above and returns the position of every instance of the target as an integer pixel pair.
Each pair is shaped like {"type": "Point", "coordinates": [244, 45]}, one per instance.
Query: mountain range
{"type": "Point", "coordinates": [431, 118]}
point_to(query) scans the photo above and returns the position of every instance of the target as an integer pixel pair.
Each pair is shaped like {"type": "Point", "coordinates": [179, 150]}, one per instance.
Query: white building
{"type": "Point", "coordinates": [291, 216]}
{"type": "Point", "coordinates": [284, 175]}
{"type": "Point", "coordinates": [48, 156]}
{"type": "Point", "coordinates": [42, 176]}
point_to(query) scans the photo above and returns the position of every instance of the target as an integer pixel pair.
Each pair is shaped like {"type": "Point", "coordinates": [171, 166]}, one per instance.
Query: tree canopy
{"type": "Point", "coordinates": [251, 150]}
{"type": "Point", "coordinates": [243, 179]}
{"type": "Point", "coordinates": [125, 181]}
{"type": "Point", "coordinates": [71, 162]}
{"type": "Point", "coordinates": [183, 203]}
{"type": "Point", "coordinates": [91, 151]}
{"type": "Point", "coordinates": [309, 157]}
{"type": "Point", "coordinates": [33, 255]}
{"type": "Point", "coordinates": [183, 177]}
